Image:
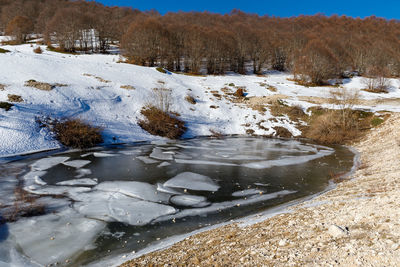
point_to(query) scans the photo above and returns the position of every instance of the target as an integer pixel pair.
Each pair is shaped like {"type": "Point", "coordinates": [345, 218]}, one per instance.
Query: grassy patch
{"type": "Point", "coordinates": [128, 87]}
{"type": "Point", "coordinates": [14, 98]}
{"type": "Point", "coordinates": [280, 108]}
{"type": "Point", "coordinates": [59, 50]}
{"type": "Point", "coordinates": [6, 106]}
{"type": "Point", "coordinates": [3, 51]}
{"type": "Point", "coordinates": [75, 133]}
{"type": "Point", "coordinates": [282, 132]}
{"type": "Point", "coordinates": [376, 121]}
{"type": "Point", "coordinates": [39, 85]}
{"type": "Point", "coordinates": [161, 123]}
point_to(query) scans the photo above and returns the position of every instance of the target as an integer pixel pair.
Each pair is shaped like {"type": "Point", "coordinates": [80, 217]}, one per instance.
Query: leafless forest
{"type": "Point", "coordinates": [314, 48]}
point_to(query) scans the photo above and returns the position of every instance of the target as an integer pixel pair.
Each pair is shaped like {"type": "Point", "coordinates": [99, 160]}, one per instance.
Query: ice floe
{"type": "Point", "coordinates": [103, 154]}
{"type": "Point", "coordinates": [47, 163]}
{"type": "Point", "coordinates": [168, 190]}
{"type": "Point", "coordinates": [193, 181]}
{"type": "Point", "coordinates": [56, 190]}
{"type": "Point", "coordinates": [84, 181]}
{"type": "Point", "coordinates": [203, 162]}
{"type": "Point", "coordinates": [157, 153]}
{"type": "Point", "coordinates": [76, 163]}
{"type": "Point", "coordinates": [247, 192]}
{"type": "Point", "coordinates": [164, 164]}
{"type": "Point", "coordinates": [147, 160]}
{"type": "Point", "coordinates": [82, 172]}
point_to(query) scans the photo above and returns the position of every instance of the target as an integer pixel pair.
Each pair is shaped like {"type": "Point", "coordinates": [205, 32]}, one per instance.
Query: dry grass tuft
{"type": "Point", "coordinates": [14, 98]}
{"type": "Point", "coordinates": [282, 132]}
{"type": "Point", "coordinates": [3, 51]}
{"type": "Point", "coordinates": [96, 77]}
{"type": "Point", "coordinates": [2, 87]}
{"type": "Point", "coordinates": [239, 92]}
{"type": "Point", "coordinates": [161, 123]}
{"type": "Point", "coordinates": [190, 99]}
{"type": "Point", "coordinates": [75, 133]}
{"type": "Point", "coordinates": [128, 87]}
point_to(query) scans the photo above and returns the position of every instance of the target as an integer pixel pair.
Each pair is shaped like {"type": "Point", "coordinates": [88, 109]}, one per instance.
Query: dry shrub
{"type": "Point", "coordinates": [161, 123]}
{"type": "Point", "coordinates": [39, 85]}
{"type": "Point", "coordinates": [14, 98]}
{"type": "Point", "coordinates": [216, 134]}
{"type": "Point", "coordinates": [38, 50]}
{"type": "Point", "coordinates": [75, 133]}
{"type": "Point", "coordinates": [160, 98]}
{"type": "Point", "coordinates": [6, 106]}
{"type": "Point", "coordinates": [190, 99]}
{"type": "Point", "coordinates": [377, 84]}
{"type": "Point", "coordinates": [214, 107]}
{"type": "Point", "coordinates": [239, 92]}
{"type": "Point", "coordinates": [2, 87]}
{"type": "Point", "coordinates": [295, 113]}
{"type": "Point", "coordinates": [282, 132]}
{"type": "Point", "coordinates": [250, 131]}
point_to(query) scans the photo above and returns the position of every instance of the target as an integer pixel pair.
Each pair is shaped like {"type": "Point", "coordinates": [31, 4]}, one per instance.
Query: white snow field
{"type": "Point", "coordinates": [81, 93]}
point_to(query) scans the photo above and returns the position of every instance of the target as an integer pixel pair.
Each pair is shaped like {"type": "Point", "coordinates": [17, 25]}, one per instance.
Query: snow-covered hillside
{"type": "Point", "coordinates": [90, 88]}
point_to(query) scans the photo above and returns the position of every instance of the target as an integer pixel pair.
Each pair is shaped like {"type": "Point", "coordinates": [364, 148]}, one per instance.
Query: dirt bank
{"type": "Point", "coordinates": [356, 224]}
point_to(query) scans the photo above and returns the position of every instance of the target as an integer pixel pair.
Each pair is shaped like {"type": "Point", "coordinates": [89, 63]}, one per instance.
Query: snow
{"type": "Point", "coordinates": [77, 163]}
{"type": "Point", "coordinates": [135, 189]}
{"type": "Point", "coordinates": [193, 181]}
{"type": "Point", "coordinates": [44, 239]}
{"type": "Point", "coordinates": [117, 110]}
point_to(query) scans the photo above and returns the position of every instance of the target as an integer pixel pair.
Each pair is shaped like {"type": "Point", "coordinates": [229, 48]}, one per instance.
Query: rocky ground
{"type": "Point", "coordinates": [356, 224]}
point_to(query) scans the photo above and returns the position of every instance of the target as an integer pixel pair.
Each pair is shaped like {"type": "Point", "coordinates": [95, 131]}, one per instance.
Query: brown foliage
{"type": "Point", "coordinates": [161, 123]}
{"type": "Point", "coordinates": [38, 50]}
{"type": "Point", "coordinates": [19, 27]}
{"type": "Point", "coordinates": [14, 98]}
{"type": "Point", "coordinates": [282, 132]}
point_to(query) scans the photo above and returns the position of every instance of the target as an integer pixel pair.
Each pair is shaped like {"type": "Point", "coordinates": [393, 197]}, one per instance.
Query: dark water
{"type": "Point", "coordinates": [263, 173]}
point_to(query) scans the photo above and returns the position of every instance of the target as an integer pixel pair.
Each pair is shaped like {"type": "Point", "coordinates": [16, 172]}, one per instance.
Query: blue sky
{"type": "Point", "coordinates": [284, 8]}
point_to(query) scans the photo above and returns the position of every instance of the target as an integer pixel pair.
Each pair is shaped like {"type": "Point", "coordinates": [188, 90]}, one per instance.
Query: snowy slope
{"type": "Point", "coordinates": [117, 110]}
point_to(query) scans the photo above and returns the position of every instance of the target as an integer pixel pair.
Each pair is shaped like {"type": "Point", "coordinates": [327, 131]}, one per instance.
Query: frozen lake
{"type": "Point", "coordinates": [103, 203]}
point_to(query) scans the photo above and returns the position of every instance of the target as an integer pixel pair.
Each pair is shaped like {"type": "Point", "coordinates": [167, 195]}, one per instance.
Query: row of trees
{"type": "Point", "coordinates": [314, 48]}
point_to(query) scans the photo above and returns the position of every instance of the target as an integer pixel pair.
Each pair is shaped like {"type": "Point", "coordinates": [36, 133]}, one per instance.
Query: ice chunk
{"type": "Point", "coordinates": [138, 212]}
{"type": "Point", "coordinates": [47, 163]}
{"type": "Point", "coordinates": [84, 181]}
{"type": "Point", "coordinates": [77, 163]}
{"type": "Point", "coordinates": [103, 155]}
{"type": "Point", "coordinates": [203, 162]}
{"type": "Point", "coordinates": [39, 181]}
{"type": "Point", "coordinates": [83, 172]}
{"type": "Point", "coordinates": [31, 177]}
{"type": "Point", "coordinates": [182, 156]}
{"type": "Point", "coordinates": [157, 153]}
{"type": "Point", "coordinates": [130, 152]}
{"type": "Point", "coordinates": [164, 189]}
{"type": "Point", "coordinates": [56, 190]}
{"type": "Point", "coordinates": [193, 181]}
{"type": "Point", "coordinates": [247, 192]}
{"type": "Point", "coordinates": [55, 237]}
{"type": "Point", "coordinates": [189, 200]}
{"type": "Point", "coordinates": [134, 189]}
{"type": "Point", "coordinates": [147, 160]}
{"type": "Point", "coordinates": [164, 164]}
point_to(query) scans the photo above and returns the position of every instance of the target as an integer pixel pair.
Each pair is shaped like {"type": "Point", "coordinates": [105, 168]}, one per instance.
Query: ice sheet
{"type": "Point", "coordinates": [47, 163]}
{"type": "Point", "coordinates": [247, 192]}
{"type": "Point", "coordinates": [103, 154]}
{"type": "Point", "coordinates": [157, 153]}
{"type": "Point", "coordinates": [287, 160]}
{"type": "Point", "coordinates": [135, 189]}
{"type": "Point", "coordinates": [164, 164]}
{"type": "Point", "coordinates": [193, 181]}
{"type": "Point", "coordinates": [55, 237]}
{"type": "Point", "coordinates": [56, 190]}
{"type": "Point", "coordinates": [203, 162]}
{"type": "Point", "coordinates": [82, 172]}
